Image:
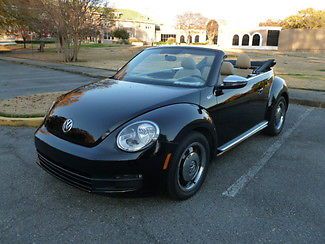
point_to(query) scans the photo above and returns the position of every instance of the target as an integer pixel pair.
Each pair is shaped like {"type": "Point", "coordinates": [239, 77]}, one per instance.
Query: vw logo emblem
{"type": "Point", "coordinates": [67, 125]}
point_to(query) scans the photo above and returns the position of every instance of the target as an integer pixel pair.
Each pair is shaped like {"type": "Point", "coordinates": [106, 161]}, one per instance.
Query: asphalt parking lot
{"type": "Point", "coordinates": [19, 80]}
{"type": "Point", "coordinates": [268, 189]}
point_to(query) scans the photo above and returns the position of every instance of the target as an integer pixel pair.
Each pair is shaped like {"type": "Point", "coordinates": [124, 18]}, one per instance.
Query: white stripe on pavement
{"type": "Point", "coordinates": [233, 190]}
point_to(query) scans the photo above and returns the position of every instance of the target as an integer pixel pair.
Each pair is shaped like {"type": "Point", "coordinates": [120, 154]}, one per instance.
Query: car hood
{"type": "Point", "coordinates": [99, 108]}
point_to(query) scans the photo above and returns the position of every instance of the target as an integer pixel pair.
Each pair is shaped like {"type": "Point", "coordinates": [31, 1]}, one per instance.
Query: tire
{"type": "Point", "coordinates": [277, 119]}
{"type": "Point", "coordinates": [188, 167]}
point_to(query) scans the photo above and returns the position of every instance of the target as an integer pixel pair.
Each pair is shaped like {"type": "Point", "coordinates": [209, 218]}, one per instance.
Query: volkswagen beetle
{"type": "Point", "coordinates": [160, 120]}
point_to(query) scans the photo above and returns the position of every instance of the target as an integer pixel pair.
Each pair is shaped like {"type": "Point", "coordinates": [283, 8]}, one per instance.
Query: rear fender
{"type": "Point", "coordinates": [279, 88]}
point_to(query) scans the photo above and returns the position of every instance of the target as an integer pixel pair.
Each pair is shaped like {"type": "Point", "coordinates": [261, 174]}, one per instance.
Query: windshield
{"type": "Point", "coordinates": [169, 66]}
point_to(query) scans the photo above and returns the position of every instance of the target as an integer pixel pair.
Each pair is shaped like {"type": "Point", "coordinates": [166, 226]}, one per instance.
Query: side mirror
{"type": "Point", "coordinates": [233, 82]}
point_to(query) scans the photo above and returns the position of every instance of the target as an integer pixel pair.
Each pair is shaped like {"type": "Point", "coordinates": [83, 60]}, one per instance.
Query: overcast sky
{"type": "Point", "coordinates": [242, 12]}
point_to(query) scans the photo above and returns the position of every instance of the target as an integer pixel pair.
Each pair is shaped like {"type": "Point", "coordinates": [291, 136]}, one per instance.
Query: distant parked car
{"type": "Point", "coordinates": [160, 120]}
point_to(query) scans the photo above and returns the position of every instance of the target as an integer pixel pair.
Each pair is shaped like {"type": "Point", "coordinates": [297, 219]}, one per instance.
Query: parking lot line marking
{"type": "Point", "coordinates": [233, 190]}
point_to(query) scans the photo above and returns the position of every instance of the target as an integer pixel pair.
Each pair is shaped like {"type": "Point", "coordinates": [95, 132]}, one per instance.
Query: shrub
{"type": "Point", "coordinates": [133, 39]}
{"type": "Point", "coordinates": [171, 40]}
{"type": "Point", "coordinates": [121, 34]}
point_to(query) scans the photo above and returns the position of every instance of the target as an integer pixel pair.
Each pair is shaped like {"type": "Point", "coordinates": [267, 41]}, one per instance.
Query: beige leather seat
{"type": "Point", "coordinates": [189, 69]}
{"type": "Point", "coordinates": [243, 65]}
{"type": "Point", "coordinates": [226, 69]}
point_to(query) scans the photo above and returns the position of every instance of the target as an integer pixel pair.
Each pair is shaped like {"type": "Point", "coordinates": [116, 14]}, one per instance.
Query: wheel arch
{"type": "Point", "coordinates": [211, 139]}
{"type": "Point", "coordinates": [279, 88]}
{"type": "Point", "coordinates": [286, 97]}
{"type": "Point", "coordinates": [208, 131]}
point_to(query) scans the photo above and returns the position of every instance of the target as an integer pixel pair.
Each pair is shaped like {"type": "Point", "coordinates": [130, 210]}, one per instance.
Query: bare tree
{"type": "Point", "coordinates": [24, 17]}
{"type": "Point", "coordinates": [3, 15]}
{"type": "Point", "coordinates": [73, 21]}
{"type": "Point", "coordinates": [106, 20]}
{"type": "Point", "coordinates": [191, 23]}
{"type": "Point", "coordinates": [70, 21]}
{"type": "Point", "coordinates": [212, 30]}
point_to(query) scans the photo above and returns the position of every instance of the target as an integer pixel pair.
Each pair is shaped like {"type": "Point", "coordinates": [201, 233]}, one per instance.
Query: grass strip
{"type": "Point", "coordinates": [21, 115]}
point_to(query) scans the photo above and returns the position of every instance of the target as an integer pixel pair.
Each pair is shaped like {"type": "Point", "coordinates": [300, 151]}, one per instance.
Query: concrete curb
{"type": "Point", "coordinates": [28, 122]}
{"type": "Point", "coordinates": [309, 103]}
{"type": "Point", "coordinates": [307, 97]}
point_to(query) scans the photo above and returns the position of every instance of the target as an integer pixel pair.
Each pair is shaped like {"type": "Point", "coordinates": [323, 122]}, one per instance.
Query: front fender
{"type": "Point", "coordinates": [278, 88]}
{"type": "Point", "coordinates": [177, 120]}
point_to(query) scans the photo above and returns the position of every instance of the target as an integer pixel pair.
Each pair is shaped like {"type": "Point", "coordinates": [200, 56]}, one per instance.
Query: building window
{"type": "Point", "coordinates": [182, 39]}
{"type": "Point", "coordinates": [189, 39]}
{"type": "Point", "coordinates": [164, 37]}
{"type": "Point", "coordinates": [273, 38]}
{"type": "Point", "coordinates": [256, 40]}
{"type": "Point", "coordinates": [245, 41]}
{"type": "Point", "coordinates": [197, 38]}
{"type": "Point", "coordinates": [235, 40]}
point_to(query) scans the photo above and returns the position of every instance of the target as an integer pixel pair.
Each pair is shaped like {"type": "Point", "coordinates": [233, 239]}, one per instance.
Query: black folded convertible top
{"type": "Point", "coordinates": [258, 66]}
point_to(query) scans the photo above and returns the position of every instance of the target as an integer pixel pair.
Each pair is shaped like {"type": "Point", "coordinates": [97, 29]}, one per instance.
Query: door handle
{"type": "Point", "coordinates": [260, 90]}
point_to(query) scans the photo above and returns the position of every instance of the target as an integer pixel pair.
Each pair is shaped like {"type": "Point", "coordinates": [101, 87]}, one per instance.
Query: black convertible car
{"type": "Point", "coordinates": [160, 120]}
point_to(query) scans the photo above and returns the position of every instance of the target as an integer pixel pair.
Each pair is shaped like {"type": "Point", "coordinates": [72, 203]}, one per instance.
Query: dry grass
{"type": "Point", "coordinates": [111, 57]}
{"type": "Point", "coordinates": [33, 106]}
{"type": "Point", "coordinates": [4, 49]}
{"type": "Point", "coordinates": [300, 69]}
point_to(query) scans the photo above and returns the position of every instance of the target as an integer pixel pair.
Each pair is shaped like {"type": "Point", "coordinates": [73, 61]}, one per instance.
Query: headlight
{"type": "Point", "coordinates": [137, 136]}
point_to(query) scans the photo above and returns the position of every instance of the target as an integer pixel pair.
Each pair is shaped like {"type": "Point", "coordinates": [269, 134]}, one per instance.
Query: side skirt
{"type": "Point", "coordinates": [234, 142]}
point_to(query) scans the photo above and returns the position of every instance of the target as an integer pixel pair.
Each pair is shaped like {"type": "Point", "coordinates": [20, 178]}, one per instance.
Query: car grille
{"type": "Point", "coordinates": [69, 177]}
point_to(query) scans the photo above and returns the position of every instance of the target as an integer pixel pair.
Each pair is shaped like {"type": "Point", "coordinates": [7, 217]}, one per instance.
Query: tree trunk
{"type": "Point", "coordinates": [41, 47]}
{"type": "Point", "coordinates": [24, 41]}
{"type": "Point", "coordinates": [71, 51]}
{"type": "Point", "coordinates": [61, 43]}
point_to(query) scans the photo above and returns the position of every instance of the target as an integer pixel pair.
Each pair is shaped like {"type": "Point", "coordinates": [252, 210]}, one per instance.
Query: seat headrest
{"type": "Point", "coordinates": [227, 68]}
{"type": "Point", "coordinates": [243, 61]}
{"type": "Point", "coordinates": [188, 63]}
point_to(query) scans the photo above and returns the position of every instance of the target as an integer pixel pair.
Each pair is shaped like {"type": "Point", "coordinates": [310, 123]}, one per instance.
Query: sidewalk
{"type": "Point", "coordinates": [298, 96]}
{"type": "Point", "coordinates": [87, 71]}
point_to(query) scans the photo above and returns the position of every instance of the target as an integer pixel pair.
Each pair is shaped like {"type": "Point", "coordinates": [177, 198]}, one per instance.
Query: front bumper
{"type": "Point", "coordinates": [119, 183]}
{"type": "Point", "coordinates": [100, 169]}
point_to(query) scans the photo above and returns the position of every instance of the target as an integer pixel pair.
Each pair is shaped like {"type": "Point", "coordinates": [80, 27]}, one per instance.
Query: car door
{"type": "Point", "coordinates": [237, 110]}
